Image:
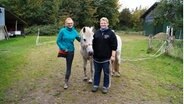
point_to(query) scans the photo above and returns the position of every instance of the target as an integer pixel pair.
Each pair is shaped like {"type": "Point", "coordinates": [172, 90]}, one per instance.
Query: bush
{"type": "Point", "coordinates": [44, 30]}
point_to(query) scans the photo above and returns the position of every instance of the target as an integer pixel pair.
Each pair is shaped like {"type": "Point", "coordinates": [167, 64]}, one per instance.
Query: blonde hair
{"type": "Point", "coordinates": [104, 19]}
{"type": "Point", "coordinates": [68, 20]}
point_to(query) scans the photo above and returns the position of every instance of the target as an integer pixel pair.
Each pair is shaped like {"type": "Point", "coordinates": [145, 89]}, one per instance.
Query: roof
{"type": "Point", "coordinates": [149, 10]}
{"type": "Point", "coordinates": [13, 17]}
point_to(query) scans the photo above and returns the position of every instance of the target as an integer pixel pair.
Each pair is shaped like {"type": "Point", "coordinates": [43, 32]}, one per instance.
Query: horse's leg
{"type": "Point", "coordinates": [118, 61]}
{"type": "Point", "coordinates": [112, 67]}
{"type": "Point", "coordinates": [91, 70]}
{"type": "Point", "coordinates": [115, 64]}
{"type": "Point", "coordinates": [84, 66]}
{"type": "Point", "coordinates": [116, 67]}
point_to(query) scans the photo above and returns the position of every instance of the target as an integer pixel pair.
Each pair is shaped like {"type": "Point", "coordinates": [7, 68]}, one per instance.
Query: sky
{"type": "Point", "coordinates": [132, 4]}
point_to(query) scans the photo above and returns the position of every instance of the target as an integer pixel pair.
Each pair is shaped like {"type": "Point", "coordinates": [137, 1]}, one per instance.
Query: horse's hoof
{"type": "Point", "coordinates": [117, 74]}
{"type": "Point", "coordinates": [90, 81]}
{"type": "Point", "coordinates": [112, 74]}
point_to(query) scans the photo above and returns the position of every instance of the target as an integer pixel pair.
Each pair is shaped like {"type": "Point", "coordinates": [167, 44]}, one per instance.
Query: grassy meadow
{"type": "Point", "coordinates": [31, 74]}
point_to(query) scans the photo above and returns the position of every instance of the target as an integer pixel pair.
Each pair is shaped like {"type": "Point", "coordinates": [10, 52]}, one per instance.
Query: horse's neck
{"type": "Point", "coordinates": [84, 52]}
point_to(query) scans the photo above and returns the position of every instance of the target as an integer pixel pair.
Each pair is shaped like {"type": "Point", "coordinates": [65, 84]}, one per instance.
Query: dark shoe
{"type": "Point", "coordinates": [94, 89]}
{"type": "Point", "coordinates": [104, 90]}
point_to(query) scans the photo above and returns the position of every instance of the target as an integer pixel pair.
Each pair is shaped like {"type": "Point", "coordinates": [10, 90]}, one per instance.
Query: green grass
{"type": "Point", "coordinates": [13, 54]}
{"type": "Point", "coordinates": [162, 75]}
{"type": "Point", "coordinates": [167, 74]}
{"type": "Point", "coordinates": [134, 47]}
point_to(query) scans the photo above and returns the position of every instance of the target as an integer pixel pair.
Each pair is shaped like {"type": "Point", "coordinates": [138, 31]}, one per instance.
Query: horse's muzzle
{"type": "Point", "coordinates": [90, 53]}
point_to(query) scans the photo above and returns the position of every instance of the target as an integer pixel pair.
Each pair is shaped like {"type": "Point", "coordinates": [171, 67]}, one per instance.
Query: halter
{"type": "Point", "coordinates": [85, 46]}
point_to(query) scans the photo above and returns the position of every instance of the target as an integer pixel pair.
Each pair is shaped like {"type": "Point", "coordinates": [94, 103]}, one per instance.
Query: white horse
{"type": "Point", "coordinates": [115, 65]}
{"type": "Point", "coordinates": [87, 50]}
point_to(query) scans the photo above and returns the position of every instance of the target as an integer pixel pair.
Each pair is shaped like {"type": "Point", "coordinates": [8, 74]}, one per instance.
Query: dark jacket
{"type": "Point", "coordinates": [103, 44]}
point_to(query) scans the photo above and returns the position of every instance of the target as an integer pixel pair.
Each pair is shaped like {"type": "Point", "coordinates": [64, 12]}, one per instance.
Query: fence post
{"type": "Point", "coordinates": [150, 48]}
{"type": "Point", "coordinates": [38, 36]}
{"type": "Point", "coordinates": [150, 37]}
{"type": "Point", "coordinates": [169, 39]}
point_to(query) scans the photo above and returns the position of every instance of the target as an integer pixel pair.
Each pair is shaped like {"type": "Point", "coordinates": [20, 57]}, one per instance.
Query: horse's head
{"type": "Point", "coordinates": [86, 39]}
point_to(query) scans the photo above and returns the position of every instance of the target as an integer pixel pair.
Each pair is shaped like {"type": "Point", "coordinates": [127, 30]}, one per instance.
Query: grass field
{"type": "Point", "coordinates": [31, 74]}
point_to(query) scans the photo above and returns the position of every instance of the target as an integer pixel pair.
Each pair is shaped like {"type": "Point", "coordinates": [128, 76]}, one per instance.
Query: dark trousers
{"type": "Point", "coordinates": [69, 60]}
{"type": "Point", "coordinates": [106, 70]}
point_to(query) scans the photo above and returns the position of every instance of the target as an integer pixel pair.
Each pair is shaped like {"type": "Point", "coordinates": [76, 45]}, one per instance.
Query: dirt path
{"type": "Point", "coordinates": [43, 83]}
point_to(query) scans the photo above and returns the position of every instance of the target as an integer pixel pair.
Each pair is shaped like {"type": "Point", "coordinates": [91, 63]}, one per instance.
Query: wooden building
{"type": "Point", "coordinates": [148, 22]}
{"type": "Point", "coordinates": [10, 24]}
{"type": "Point", "coordinates": [152, 29]}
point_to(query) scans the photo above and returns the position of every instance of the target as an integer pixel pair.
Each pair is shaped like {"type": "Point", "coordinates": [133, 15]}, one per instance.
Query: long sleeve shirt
{"type": "Point", "coordinates": [66, 37]}
{"type": "Point", "coordinates": [103, 44]}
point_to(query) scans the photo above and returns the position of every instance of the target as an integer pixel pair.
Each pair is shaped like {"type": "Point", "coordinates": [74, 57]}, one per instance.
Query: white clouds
{"type": "Point", "coordinates": [132, 4]}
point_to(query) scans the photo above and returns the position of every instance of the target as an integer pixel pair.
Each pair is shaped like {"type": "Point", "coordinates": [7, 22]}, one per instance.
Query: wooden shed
{"type": "Point", "coordinates": [151, 29]}
{"type": "Point", "coordinates": [10, 24]}
{"type": "Point", "coordinates": [148, 22]}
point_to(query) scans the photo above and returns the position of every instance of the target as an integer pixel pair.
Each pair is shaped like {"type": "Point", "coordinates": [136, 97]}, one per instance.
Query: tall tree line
{"type": "Point", "coordinates": [44, 12]}
{"type": "Point", "coordinates": [88, 12]}
{"type": "Point", "coordinates": [34, 12]}
{"type": "Point", "coordinates": [170, 11]}
{"type": "Point", "coordinates": [130, 20]}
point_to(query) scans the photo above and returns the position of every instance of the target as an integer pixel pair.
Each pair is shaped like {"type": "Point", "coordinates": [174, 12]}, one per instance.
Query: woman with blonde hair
{"type": "Point", "coordinates": [65, 42]}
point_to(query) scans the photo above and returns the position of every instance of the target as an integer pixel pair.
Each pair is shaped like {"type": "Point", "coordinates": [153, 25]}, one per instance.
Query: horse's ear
{"type": "Point", "coordinates": [84, 30]}
{"type": "Point", "coordinates": [93, 28]}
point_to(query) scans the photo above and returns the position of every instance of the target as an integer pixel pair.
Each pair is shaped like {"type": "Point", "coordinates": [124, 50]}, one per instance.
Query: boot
{"type": "Point", "coordinates": [66, 84]}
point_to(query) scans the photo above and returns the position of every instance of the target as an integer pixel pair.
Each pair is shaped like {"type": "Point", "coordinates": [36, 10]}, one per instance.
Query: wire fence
{"type": "Point", "coordinates": [174, 47]}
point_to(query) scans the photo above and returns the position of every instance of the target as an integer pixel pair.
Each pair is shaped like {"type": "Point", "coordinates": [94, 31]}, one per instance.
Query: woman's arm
{"type": "Point", "coordinates": [59, 40]}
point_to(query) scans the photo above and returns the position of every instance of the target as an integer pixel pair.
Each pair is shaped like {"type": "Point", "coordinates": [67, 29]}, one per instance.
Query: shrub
{"type": "Point", "coordinates": [44, 30]}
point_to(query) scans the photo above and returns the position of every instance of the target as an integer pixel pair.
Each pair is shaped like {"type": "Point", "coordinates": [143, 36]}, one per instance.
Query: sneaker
{"type": "Point", "coordinates": [94, 89]}
{"type": "Point", "coordinates": [65, 86]}
{"type": "Point", "coordinates": [104, 90]}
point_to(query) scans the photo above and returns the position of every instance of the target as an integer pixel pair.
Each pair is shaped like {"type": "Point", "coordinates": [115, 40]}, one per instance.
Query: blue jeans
{"type": "Point", "coordinates": [106, 70]}
{"type": "Point", "coordinates": [69, 60]}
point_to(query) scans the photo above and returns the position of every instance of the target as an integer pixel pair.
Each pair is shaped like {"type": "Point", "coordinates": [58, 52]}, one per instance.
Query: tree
{"type": "Point", "coordinates": [55, 15]}
{"type": "Point", "coordinates": [170, 11]}
{"type": "Point", "coordinates": [86, 15]}
{"type": "Point", "coordinates": [137, 24]}
{"type": "Point", "coordinates": [84, 12]}
{"type": "Point", "coordinates": [109, 9]}
{"type": "Point", "coordinates": [38, 12]}
{"type": "Point", "coordinates": [125, 19]}
{"type": "Point", "coordinates": [68, 8]}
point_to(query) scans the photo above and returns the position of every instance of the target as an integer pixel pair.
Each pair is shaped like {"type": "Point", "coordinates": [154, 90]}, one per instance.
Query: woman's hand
{"type": "Point", "coordinates": [66, 50]}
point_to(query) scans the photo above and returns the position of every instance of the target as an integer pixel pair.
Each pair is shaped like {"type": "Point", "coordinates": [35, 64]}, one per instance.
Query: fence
{"type": "Point", "coordinates": [173, 47]}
